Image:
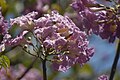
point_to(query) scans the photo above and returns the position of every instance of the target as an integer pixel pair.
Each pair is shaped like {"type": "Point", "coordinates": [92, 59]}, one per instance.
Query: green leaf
{"type": "Point", "coordinates": [86, 69]}
{"type": "Point", "coordinates": [4, 61]}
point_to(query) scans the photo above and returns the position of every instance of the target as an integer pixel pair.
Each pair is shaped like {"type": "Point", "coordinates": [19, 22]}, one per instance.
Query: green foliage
{"type": "Point", "coordinates": [4, 62]}
{"type": "Point", "coordinates": [3, 5]}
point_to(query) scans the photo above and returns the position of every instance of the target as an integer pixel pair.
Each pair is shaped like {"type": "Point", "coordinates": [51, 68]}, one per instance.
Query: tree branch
{"type": "Point", "coordinates": [113, 70]}
{"type": "Point", "coordinates": [27, 70]}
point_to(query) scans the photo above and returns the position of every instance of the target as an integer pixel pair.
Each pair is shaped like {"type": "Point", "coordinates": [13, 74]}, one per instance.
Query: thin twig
{"type": "Point", "coordinates": [113, 70]}
{"type": "Point", "coordinates": [27, 70]}
{"type": "Point", "coordinates": [27, 51]}
{"type": "Point", "coordinates": [38, 56]}
{"type": "Point", "coordinates": [30, 53]}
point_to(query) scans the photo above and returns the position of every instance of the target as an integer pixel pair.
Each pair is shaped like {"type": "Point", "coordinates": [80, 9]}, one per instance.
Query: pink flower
{"type": "Point", "coordinates": [25, 21]}
{"type": "Point", "coordinates": [69, 45]}
{"type": "Point", "coordinates": [103, 77]}
{"type": "Point", "coordinates": [98, 19]}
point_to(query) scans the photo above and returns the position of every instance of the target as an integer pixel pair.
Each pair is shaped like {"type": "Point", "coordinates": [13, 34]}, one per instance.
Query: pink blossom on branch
{"type": "Point", "coordinates": [25, 21]}
{"type": "Point", "coordinates": [98, 18]}
{"type": "Point", "coordinates": [59, 33]}
{"type": "Point", "coordinates": [60, 37]}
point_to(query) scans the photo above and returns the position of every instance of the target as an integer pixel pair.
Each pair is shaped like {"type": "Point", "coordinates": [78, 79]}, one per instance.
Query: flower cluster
{"type": "Point", "coordinates": [98, 18]}
{"type": "Point", "coordinates": [20, 39]}
{"type": "Point", "coordinates": [3, 31]}
{"type": "Point", "coordinates": [103, 77]}
{"type": "Point", "coordinates": [61, 38]}
{"type": "Point", "coordinates": [25, 22]}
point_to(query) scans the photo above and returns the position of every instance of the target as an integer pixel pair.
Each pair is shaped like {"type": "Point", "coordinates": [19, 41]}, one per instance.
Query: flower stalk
{"type": "Point", "coordinates": [44, 69]}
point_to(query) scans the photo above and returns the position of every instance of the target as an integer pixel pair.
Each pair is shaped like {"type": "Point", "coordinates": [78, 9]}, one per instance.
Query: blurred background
{"type": "Point", "coordinates": [99, 64]}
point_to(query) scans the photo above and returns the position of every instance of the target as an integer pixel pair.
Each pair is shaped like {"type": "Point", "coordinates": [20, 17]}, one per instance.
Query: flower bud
{"type": "Point", "coordinates": [25, 46]}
